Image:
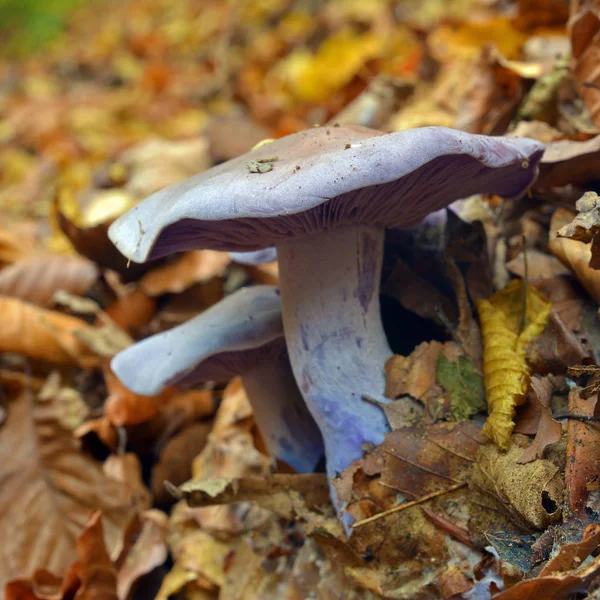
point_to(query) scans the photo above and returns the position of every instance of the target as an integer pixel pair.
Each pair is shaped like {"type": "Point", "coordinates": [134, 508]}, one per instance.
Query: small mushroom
{"type": "Point", "coordinates": [242, 334]}
{"type": "Point", "coordinates": [327, 221]}
{"type": "Point", "coordinates": [258, 257]}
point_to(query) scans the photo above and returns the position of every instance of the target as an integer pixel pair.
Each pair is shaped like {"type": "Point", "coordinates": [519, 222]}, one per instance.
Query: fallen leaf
{"type": "Point", "coordinates": [49, 487]}
{"type": "Point", "coordinates": [279, 493]}
{"type": "Point", "coordinates": [549, 431]}
{"type": "Point", "coordinates": [175, 460]}
{"type": "Point", "coordinates": [95, 569]}
{"type": "Point", "coordinates": [568, 162]}
{"type": "Point", "coordinates": [415, 375]}
{"type": "Point", "coordinates": [583, 445]}
{"type": "Point", "coordinates": [540, 265]}
{"type": "Point", "coordinates": [148, 552]}
{"type": "Point", "coordinates": [126, 470]}
{"type": "Point", "coordinates": [509, 320]}
{"type": "Point", "coordinates": [577, 256]}
{"type": "Point", "coordinates": [584, 27]}
{"type": "Point", "coordinates": [43, 334]}
{"type": "Point", "coordinates": [197, 266]}
{"type": "Point", "coordinates": [528, 495]}
{"type": "Point", "coordinates": [37, 279]}
{"type": "Point", "coordinates": [464, 384]}
{"type": "Point", "coordinates": [13, 248]}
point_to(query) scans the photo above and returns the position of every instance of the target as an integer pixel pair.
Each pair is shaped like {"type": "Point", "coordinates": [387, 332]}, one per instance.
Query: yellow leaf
{"type": "Point", "coordinates": [505, 335]}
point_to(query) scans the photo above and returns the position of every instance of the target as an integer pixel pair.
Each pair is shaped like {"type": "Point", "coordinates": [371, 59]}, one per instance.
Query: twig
{"type": "Point", "coordinates": [396, 509]}
{"type": "Point", "coordinates": [523, 319]}
{"type": "Point", "coordinates": [584, 418]}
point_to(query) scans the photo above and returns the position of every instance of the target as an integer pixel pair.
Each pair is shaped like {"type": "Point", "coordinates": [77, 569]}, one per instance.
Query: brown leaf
{"type": "Point", "coordinates": [492, 97]}
{"type": "Point", "coordinates": [566, 299]}
{"type": "Point", "coordinates": [175, 461]}
{"type": "Point", "coordinates": [126, 470]}
{"type": "Point", "coordinates": [528, 495]}
{"type": "Point", "coordinates": [420, 460]}
{"type": "Point", "coordinates": [417, 294]}
{"type": "Point", "coordinates": [549, 431]}
{"type": "Point", "coordinates": [13, 248]}
{"type": "Point", "coordinates": [37, 279]}
{"type": "Point", "coordinates": [148, 552]}
{"type": "Point", "coordinates": [132, 311]}
{"type": "Point", "coordinates": [280, 492]}
{"type": "Point", "coordinates": [197, 266]}
{"type": "Point", "coordinates": [540, 265]}
{"type": "Point", "coordinates": [93, 243]}
{"type": "Point", "coordinates": [48, 489]}
{"type": "Point", "coordinates": [94, 567]}
{"type": "Point", "coordinates": [232, 135]}
{"type": "Point", "coordinates": [566, 162]}
{"type": "Point", "coordinates": [577, 256]}
{"type": "Point", "coordinates": [43, 334]}
{"type": "Point", "coordinates": [583, 448]}
{"type": "Point", "coordinates": [584, 29]}
{"type": "Point", "coordinates": [415, 375]}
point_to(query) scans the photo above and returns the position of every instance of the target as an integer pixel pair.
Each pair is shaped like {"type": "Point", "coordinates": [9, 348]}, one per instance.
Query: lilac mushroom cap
{"type": "Point", "coordinates": [324, 205]}
{"type": "Point", "coordinates": [241, 335]}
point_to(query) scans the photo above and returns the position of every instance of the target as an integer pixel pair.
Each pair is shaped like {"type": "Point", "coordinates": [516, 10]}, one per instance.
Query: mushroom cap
{"type": "Point", "coordinates": [324, 178]}
{"type": "Point", "coordinates": [223, 341]}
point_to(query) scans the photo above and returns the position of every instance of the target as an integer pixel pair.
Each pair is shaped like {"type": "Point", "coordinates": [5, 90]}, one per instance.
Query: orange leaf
{"type": "Point", "coordinates": [43, 334]}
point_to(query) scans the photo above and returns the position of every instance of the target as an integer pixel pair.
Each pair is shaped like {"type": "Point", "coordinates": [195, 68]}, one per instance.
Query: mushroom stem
{"type": "Point", "coordinates": [336, 342]}
{"type": "Point", "coordinates": [285, 424]}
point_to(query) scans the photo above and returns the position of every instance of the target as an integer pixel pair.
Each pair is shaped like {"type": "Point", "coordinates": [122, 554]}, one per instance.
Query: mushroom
{"type": "Point", "coordinates": [323, 197]}
{"type": "Point", "coordinates": [258, 257]}
{"type": "Point", "coordinates": [242, 334]}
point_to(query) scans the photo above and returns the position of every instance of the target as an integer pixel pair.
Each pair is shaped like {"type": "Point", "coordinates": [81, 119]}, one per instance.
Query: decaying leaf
{"type": "Point", "coordinates": [509, 320]}
{"type": "Point", "coordinates": [528, 495]}
{"type": "Point", "coordinates": [47, 490]}
{"type": "Point", "coordinates": [464, 384]}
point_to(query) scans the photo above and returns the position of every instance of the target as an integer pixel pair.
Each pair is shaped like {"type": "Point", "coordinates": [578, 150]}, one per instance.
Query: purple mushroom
{"type": "Point", "coordinates": [323, 198]}
{"type": "Point", "coordinates": [242, 334]}
{"type": "Point", "coordinates": [258, 257]}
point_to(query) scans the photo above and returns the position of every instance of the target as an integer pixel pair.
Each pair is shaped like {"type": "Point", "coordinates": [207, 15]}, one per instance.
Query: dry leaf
{"type": "Point", "coordinates": [48, 489]}
{"type": "Point", "coordinates": [13, 248]}
{"type": "Point", "coordinates": [540, 265]}
{"type": "Point", "coordinates": [584, 29]}
{"type": "Point", "coordinates": [175, 460]}
{"type": "Point", "coordinates": [529, 495]}
{"type": "Point", "coordinates": [577, 256]}
{"type": "Point", "coordinates": [148, 552]}
{"type": "Point", "coordinates": [197, 266]}
{"type": "Point", "coordinates": [510, 320]}
{"type": "Point", "coordinates": [37, 279]}
{"type": "Point", "coordinates": [566, 162]}
{"type": "Point", "coordinates": [43, 334]}
{"type": "Point", "coordinates": [126, 470]}
{"type": "Point", "coordinates": [548, 431]}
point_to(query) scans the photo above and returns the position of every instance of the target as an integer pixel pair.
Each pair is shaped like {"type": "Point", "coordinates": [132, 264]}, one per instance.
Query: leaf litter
{"type": "Point", "coordinates": [491, 313]}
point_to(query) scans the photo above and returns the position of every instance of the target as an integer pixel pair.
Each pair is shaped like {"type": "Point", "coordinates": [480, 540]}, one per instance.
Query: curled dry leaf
{"type": "Point", "coordinates": [197, 266]}
{"type": "Point", "coordinates": [37, 279]}
{"type": "Point", "coordinates": [44, 334]}
{"type": "Point", "coordinates": [529, 495]}
{"type": "Point", "coordinates": [510, 320]}
{"type": "Point", "coordinates": [48, 488]}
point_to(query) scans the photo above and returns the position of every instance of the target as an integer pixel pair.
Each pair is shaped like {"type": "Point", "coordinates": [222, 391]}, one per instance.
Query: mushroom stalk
{"type": "Point", "coordinates": [336, 343]}
{"type": "Point", "coordinates": [284, 422]}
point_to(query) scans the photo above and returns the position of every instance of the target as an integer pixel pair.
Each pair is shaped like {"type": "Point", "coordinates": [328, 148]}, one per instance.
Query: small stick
{"type": "Point", "coordinates": [396, 509]}
{"type": "Point", "coordinates": [584, 418]}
